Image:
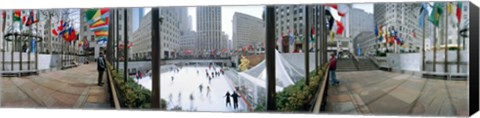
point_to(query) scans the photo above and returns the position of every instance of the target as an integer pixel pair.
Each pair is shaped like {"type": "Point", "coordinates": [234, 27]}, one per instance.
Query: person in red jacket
{"type": "Point", "coordinates": [331, 70]}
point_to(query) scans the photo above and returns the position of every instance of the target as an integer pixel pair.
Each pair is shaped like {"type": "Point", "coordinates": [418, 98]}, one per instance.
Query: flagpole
{"type": "Point", "coordinates": [434, 48]}
{"type": "Point", "coordinates": [316, 40]}
{"type": "Point", "coordinates": [458, 42]}
{"type": "Point", "coordinates": [445, 38]}
{"type": "Point", "coordinates": [423, 38]}
{"type": "Point", "coordinates": [305, 46]}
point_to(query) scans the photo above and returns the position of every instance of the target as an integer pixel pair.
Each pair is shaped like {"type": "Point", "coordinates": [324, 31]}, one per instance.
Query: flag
{"type": "Point", "coordinates": [330, 19]}
{"type": "Point", "coordinates": [37, 17]}
{"type": "Point", "coordinates": [459, 12]}
{"type": "Point", "coordinates": [29, 19]}
{"type": "Point", "coordinates": [376, 30]}
{"type": "Point", "coordinates": [335, 6]}
{"type": "Point", "coordinates": [332, 35]}
{"type": "Point", "coordinates": [17, 14]}
{"type": "Point", "coordinates": [4, 16]}
{"type": "Point", "coordinates": [423, 13]}
{"type": "Point", "coordinates": [449, 8]}
{"type": "Point", "coordinates": [436, 14]}
{"type": "Point", "coordinates": [313, 35]}
{"type": "Point", "coordinates": [340, 27]}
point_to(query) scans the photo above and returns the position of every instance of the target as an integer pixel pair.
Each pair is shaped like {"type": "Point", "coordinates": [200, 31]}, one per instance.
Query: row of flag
{"type": "Point", "coordinates": [25, 19]}
{"type": "Point", "coordinates": [334, 14]}
{"type": "Point", "coordinates": [98, 20]}
{"type": "Point", "coordinates": [437, 10]}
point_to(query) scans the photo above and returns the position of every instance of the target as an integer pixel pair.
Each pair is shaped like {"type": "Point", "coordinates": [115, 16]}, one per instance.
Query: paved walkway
{"type": "Point", "coordinates": [385, 93]}
{"type": "Point", "coordinates": [71, 88]}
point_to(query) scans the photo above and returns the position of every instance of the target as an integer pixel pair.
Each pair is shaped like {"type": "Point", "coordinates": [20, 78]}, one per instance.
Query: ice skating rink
{"type": "Point", "coordinates": [187, 82]}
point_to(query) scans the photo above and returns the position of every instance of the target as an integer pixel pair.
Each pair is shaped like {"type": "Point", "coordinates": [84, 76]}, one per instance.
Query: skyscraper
{"type": "Point", "coordinates": [247, 30]}
{"type": "Point", "coordinates": [209, 28]}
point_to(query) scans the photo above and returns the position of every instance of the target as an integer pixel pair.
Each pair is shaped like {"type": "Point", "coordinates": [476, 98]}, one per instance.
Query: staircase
{"type": "Point", "coordinates": [346, 65]}
{"type": "Point", "coordinates": [366, 64]}
{"type": "Point", "coordinates": [350, 64]}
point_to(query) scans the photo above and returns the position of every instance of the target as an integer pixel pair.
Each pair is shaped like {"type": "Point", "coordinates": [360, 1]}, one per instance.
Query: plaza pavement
{"type": "Point", "coordinates": [386, 93]}
{"type": "Point", "coordinates": [71, 88]}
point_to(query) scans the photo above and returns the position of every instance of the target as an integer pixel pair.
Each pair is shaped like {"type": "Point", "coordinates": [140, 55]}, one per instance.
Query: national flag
{"type": "Point", "coordinates": [54, 31]}
{"type": "Point", "coordinates": [449, 8]}
{"type": "Point", "coordinates": [436, 14]}
{"type": "Point", "coordinates": [17, 14]}
{"type": "Point", "coordinates": [335, 6]}
{"type": "Point", "coordinates": [332, 34]}
{"type": "Point", "coordinates": [4, 18]}
{"type": "Point", "coordinates": [423, 13]}
{"type": "Point", "coordinates": [376, 30]}
{"type": "Point", "coordinates": [459, 12]}
{"type": "Point", "coordinates": [340, 27]}
{"type": "Point", "coordinates": [37, 17]}
{"type": "Point", "coordinates": [30, 19]}
{"type": "Point", "coordinates": [313, 35]}
{"type": "Point", "coordinates": [330, 19]}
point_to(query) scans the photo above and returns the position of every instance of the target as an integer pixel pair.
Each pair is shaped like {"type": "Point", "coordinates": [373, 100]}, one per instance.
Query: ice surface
{"type": "Point", "coordinates": [187, 82]}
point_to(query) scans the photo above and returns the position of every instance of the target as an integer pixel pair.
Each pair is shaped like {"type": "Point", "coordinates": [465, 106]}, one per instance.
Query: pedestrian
{"type": "Point", "coordinates": [201, 87]}
{"type": "Point", "coordinates": [191, 100]}
{"type": "Point", "coordinates": [141, 75]}
{"type": "Point", "coordinates": [179, 97]}
{"type": "Point", "coordinates": [235, 100]}
{"type": "Point", "coordinates": [228, 99]}
{"type": "Point", "coordinates": [331, 70]}
{"type": "Point", "coordinates": [101, 65]}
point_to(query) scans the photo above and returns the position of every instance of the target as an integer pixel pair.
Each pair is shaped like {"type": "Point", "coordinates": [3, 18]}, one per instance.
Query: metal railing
{"type": "Point", "coordinates": [114, 98]}
{"type": "Point", "coordinates": [322, 93]}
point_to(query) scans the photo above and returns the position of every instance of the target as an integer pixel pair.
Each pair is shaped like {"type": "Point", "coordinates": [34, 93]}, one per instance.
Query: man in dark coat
{"type": "Point", "coordinates": [235, 97]}
{"type": "Point", "coordinates": [101, 65]}
{"type": "Point", "coordinates": [228, 99]}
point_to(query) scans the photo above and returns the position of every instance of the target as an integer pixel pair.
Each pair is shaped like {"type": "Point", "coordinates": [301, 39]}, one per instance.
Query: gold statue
{"type": "Point", "coordinates": [244, 63]}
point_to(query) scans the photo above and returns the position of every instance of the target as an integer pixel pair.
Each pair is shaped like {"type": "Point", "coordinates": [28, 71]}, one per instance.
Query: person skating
{"type": "Point", "coordinates": [208, 91]}
{"type": "Point", "coordinates": [191, 100]}
{"type": "Point", "coordinates": [209, 80]}
{"type": "Point", "coordinates": [235, 100]}
{"type": "Point", "coordinates": [172, 78]}
{"type": "Point", "coordinates": [201, 87]}
{"type": "Point", "coordinates": [197, 72]}
{"type": "Point", "coordinates": [213, 74]}
{"type": "Point", "coordinates": [228, 99]}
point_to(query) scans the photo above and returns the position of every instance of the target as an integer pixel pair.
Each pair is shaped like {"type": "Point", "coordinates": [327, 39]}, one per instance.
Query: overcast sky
{"type": "Point", "coordinates": [256, 11]}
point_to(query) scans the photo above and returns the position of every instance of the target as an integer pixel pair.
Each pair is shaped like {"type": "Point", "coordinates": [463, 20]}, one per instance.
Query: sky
{"type": "Point", "coordinates": [256, 11]}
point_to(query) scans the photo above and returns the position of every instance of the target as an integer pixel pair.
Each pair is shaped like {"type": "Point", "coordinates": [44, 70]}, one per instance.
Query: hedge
{"type": "Point", "coordinates": [298, 96]}
{"type": "Point", "coordinates": [132, 95]}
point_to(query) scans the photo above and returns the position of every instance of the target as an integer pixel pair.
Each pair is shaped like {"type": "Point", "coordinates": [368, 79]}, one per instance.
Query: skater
{"type": "Point", "coordinates": [179, 97]}
{"type": "Point", "coordinates": [209, 80]}
{"type": "Point", "coordinates": [172, 78]}
{"type": "Point", "coordinates": [170, 97]}
{"type": "Point", "coordinates": [228, 99]}
{"type": "Point", "coordinates": [201, 87]}
{"type": "Point", "coordinates": [197, 72]}
{"type": "Point", "coordinates": [235, 100]}
{"type": "Point", "coordinates": [208, 90]}
{"type": "Point", "coordinates": [191, 100]}
{"type": "Point", "coordinates": [213, 74]}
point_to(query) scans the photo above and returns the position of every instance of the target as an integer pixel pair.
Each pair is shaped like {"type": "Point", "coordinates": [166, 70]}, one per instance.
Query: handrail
{"type": "Point", "coordinates": [114, 96]}
{"type": "Point", "coordinates": [323, 89]}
